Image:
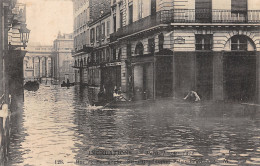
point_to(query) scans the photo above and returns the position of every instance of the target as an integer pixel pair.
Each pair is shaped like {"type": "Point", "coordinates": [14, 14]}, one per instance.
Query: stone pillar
{"type": "Point", "coordinates": [258, 77]}
{"type": "Point", "coordinates": [1, 52]}
{"type": "Point", "coordinates": [218, 82]}
{"type": "Point", "coordinates": [124, 72]}
{"type": "Point", "coordinates": [174, 77]}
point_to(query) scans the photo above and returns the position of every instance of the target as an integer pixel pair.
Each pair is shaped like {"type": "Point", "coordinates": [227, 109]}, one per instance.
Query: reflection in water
{"type": "Point", "coordinates": [54, 125]}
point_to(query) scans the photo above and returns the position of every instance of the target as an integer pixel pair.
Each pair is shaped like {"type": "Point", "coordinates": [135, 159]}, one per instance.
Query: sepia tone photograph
{"type": "Point", "coordinates": [129, 82]}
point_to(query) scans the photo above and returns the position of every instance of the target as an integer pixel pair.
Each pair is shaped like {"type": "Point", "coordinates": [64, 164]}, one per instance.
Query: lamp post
{"type": "Point", "coordinates": [24, 37]}
{"type": "Point", "coordinates": [13, 73]}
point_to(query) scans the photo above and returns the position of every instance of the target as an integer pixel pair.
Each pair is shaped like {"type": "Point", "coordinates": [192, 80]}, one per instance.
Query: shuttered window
{"type": "Point", "coordinates": [238, 5]}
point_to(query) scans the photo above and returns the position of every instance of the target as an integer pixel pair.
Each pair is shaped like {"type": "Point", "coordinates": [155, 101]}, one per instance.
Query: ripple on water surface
{"type": "Point", "coordinates": [55, 124]}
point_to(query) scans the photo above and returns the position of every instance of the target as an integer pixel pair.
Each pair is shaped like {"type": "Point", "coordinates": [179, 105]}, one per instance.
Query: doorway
{"type": "Point", "coordinates": [240, 77]}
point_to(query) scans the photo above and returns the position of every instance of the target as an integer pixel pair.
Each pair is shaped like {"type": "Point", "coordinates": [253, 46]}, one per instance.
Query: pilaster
{"type": "Point", "coordinates": [218, 86]}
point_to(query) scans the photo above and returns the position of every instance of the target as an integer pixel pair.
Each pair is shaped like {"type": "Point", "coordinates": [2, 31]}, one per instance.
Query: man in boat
{"type": "Point", "coordinates": [118, 95]}
{"type": "Point", "coordinates": [192, 96]}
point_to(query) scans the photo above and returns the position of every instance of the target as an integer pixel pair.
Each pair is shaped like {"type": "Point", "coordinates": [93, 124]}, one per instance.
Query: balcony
{"type": "Point", "coordinates": [187, 16]}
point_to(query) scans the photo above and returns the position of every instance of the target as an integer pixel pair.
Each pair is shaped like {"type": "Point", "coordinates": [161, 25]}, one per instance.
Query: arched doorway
{"type": "Point", "coordinates": [240, 70]}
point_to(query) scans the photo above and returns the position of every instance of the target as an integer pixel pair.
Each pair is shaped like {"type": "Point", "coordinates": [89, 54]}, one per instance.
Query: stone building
{"type": "Point", "coordinates": [91, 38]}
{"type": "Point", "coordinates": [62, 56]}
{"type": "Point", "coordinates": [169, 47]}
{"type": "Point", "coordinates": [38, 62]}
{"type": "Point", "coordinates": [13, 38]}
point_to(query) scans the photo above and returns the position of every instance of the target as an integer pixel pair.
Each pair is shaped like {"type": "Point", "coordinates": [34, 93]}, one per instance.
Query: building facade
{"type": "Point", "coordinates": [12, 24]}
{"type": "Point", "coordinates": [91, 38]}
{"type": "Point", "coordinates": [38, 62]}
{"type": "Point", "coordinates": [170, 47]}
{"type": "Point", "coordinates": [164, 48]}
{"type": "Point", "coordinates": [63, 60]}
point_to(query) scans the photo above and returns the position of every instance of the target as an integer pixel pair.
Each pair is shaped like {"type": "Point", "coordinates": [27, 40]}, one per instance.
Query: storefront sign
{"type": "Point", "coordinates": [179, 40]}
{"type": "Point", "coordinates": [113, 64]}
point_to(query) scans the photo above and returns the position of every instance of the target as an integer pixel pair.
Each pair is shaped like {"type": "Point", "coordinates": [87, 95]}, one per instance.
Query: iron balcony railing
{"type": "Point", "coordinates": [188, 16]}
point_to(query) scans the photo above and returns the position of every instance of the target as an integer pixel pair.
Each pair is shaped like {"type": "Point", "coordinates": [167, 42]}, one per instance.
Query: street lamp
{"type": "Point", "coordinates": [24, 37]}
{"type": "Point", "coordinates": [24, 34]}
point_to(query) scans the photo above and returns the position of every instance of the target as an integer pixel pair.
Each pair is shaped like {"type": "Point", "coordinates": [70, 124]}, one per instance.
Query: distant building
{"type": "Point", "coordinates": [38, 62]}
{"type": "Point", "coordinates": [63, 60]}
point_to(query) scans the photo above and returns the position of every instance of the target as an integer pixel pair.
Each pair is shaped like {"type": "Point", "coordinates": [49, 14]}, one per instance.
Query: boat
{"type": "Point", "coordinates": [67, 84]}
{"type": "Point", "coordinates": [123, 104]}
{"type": "Point", "coordinates": [31, 86]}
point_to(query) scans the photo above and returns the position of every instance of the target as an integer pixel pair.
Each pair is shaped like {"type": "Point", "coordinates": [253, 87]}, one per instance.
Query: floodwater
{"type": "Point", "coordinates": [53, 126]}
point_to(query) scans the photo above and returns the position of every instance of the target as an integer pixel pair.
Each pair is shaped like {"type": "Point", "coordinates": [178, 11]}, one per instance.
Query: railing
{"type": "Point", "coordinates": [142, 24]}
{"type": "Point", "coordinates": [188, 16]}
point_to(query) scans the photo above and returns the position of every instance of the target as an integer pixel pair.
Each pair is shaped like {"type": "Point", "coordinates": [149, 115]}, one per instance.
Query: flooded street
{"type": "Point", "coordinates": [53, 126]}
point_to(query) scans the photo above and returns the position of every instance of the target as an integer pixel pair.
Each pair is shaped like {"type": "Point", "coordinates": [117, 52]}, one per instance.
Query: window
{"type": "Point", "coordinates": [114, 19]}
{"type": "Point", "coordinates": [239, 43]}
{"type": "Point", "coordinates": [140, 9]}
{"type": "Point", "coordinates": [92, 35]}
{"type": "Point", "coordinates": [114, 54]}
{"type": "Point", "coordinates": [151, 45]}
{"type": "Point", "coordinates": [108, 55]}
{"type": "Point", "coordinates": [103, 29]}
{"type": "Point", "coordinates": [97, 33]}
{"type": "Point", "coordinates": [153, 7]}
{"type": "Point", "coordinates": [129, 50]}
{"type": "Point", "coordinates": [119, 54]}
{"type": "Point", "coordinates": [161, 42]}
{"type": "Point", "coordinates": [130, 14]}
{"type": "Point", "coordinates": [239, 10]}
{"type": "Point", "coordinates": [139, 49]}
{"type": "Point", "coordinates": [108, 27]}
{"type": "Point", "coordinates": [203, 10]}
{"type": "Point", "coordinates": [121, 19]}
{"type": "Point", "coordinates": [204, 42]}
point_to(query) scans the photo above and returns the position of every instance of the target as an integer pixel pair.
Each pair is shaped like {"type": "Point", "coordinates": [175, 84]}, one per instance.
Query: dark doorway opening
{"type": "Point", "coordinates": [240, 77]}
{"type": "Point", "coordinates": [204, 75]}
{"type": "Point", "coordinates": [164, 76]}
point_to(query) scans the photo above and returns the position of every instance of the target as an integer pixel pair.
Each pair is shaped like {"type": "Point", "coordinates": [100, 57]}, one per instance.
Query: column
{"type": "Point", "coordinates": [33, 67]}
{"type": "Point", "coordinates": [1, 52]}
{"type": "Point", "coordinates": [218, 90]}
{"type": "Point", "coordinates": [258, 77]}
{"type": "Point", "coordinates": [174, 78]}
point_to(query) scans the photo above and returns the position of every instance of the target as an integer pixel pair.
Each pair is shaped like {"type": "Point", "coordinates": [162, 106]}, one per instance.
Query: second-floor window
{"type": "Point", "coordinates": [92, 35]}
{"type": "Point", "coordinates": [204, 42]}
{"type": "Point", "coordinates": [114, 21]}
{"type": "Point", "coordinates": [239, 10]}
{"type": "Point", "coordinates": [203, 10]}
{"type": "Point", "coordinates": [103, 30]}
{"type": "Point", "coordinates": [108, 28]}
{"type": "Point", "coordinates": [153, 7]}
{"type": "Point", "coordinates": [140, 9]}
{"type": "Point", "coordinates": [130, 14]}
{"type": "Point", "coordinates": [121, 19]}
{"type": "Point", "coordinates": [97, 33]}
